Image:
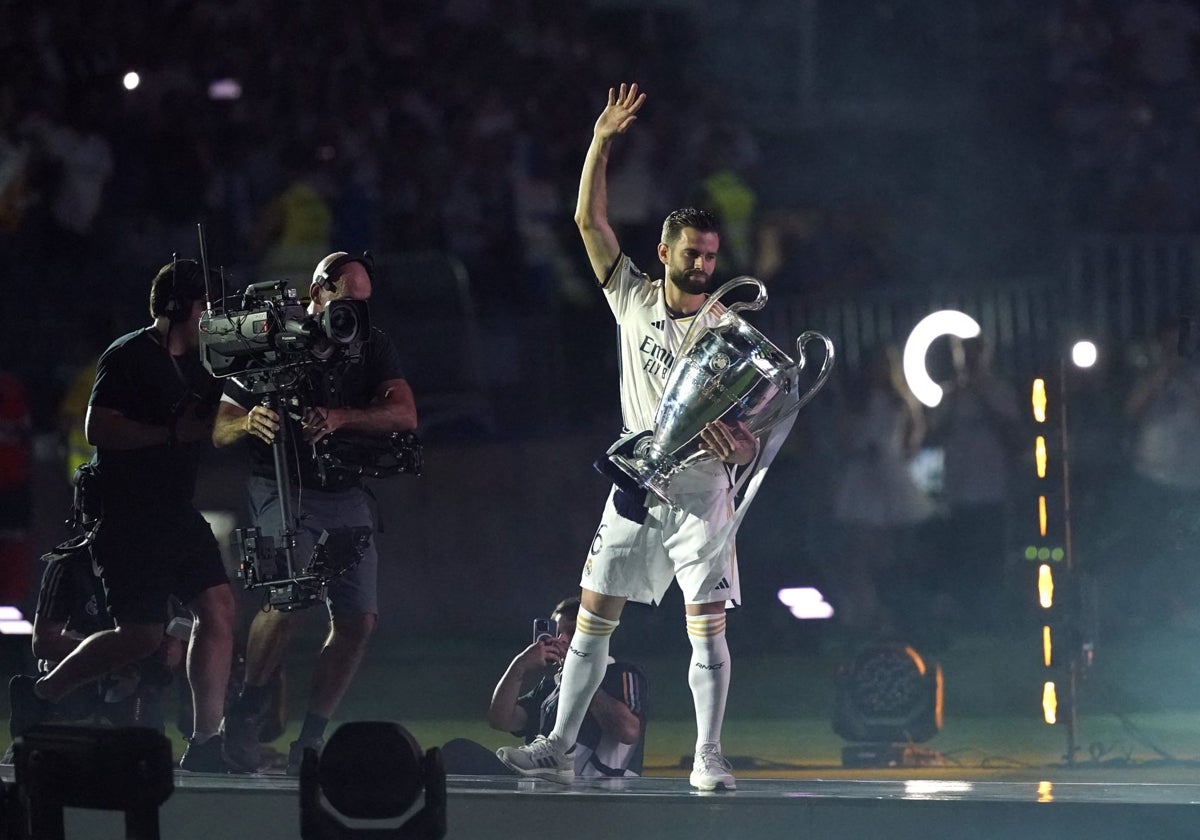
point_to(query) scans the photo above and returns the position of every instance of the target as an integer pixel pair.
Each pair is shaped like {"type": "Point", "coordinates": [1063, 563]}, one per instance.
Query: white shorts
{"type": "Point", "coordinates": [638, 562]}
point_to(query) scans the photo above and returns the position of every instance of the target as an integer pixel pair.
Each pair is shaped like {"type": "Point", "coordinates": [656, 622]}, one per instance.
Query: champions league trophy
{"type": "Point", "coordinates": [725, 370]}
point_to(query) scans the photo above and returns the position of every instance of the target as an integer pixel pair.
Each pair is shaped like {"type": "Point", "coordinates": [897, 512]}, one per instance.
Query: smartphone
{"type": "Point", "coordinates": [544, 628]}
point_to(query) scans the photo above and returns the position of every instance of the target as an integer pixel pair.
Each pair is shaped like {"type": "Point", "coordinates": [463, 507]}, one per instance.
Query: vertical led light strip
{"type": "Point", "coordinates": [1045, 573]}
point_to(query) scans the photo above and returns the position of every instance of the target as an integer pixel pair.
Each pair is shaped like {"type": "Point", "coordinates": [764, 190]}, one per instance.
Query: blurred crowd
{"type": "Point", "coordinates": [356, 125]}
{"type": "Point", "coordinates": [1125, 80]}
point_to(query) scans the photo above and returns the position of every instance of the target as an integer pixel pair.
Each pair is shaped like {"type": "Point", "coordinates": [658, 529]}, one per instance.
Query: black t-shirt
{"type": "Point", "coordinates": [337, 383]}
{"type": "Point", "coordinates": [71, 594]}
{"type": "Point", "coordinates": [137, 377]}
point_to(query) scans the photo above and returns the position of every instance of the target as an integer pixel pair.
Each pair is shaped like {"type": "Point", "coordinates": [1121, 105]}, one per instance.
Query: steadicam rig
{"type": "Point", "coordinates": [264, 564]}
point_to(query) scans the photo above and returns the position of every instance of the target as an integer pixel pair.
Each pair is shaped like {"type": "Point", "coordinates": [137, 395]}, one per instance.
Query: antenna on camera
{"type": "Point", "coordinates": [204, 268]}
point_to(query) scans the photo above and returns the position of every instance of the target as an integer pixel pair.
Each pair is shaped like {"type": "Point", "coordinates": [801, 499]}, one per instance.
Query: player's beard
{"type": "Point", "coordinates": [690, 282]}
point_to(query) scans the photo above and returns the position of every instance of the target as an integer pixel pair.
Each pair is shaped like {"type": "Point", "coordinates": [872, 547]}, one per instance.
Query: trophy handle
{"type": "Point", "coordinates": [737, 306]}
{"type": "Point", "coordinates": [802, 360]}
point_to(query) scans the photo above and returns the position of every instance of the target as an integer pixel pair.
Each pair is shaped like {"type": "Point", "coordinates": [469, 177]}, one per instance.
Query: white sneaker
{"type": "Point", "coordinates": [710, 771]}
{"type": "Point", "coordinates": [540, 760]}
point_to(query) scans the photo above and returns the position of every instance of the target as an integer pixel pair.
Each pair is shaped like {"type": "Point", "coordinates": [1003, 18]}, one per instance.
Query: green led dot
{"type": "Point", "coordinates": [1057, 554]}
{"type": "Point", "coordinates": [1031, 552]}
{"type": "Point", "coordinates": [1043, 553]}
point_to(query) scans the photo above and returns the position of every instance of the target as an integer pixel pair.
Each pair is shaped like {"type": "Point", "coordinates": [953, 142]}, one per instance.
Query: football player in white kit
{"type": "Point", "coordinates": [641, 546]}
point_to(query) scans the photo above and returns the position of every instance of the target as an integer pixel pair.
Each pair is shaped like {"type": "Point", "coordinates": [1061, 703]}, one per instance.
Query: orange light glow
{"type": "Point", "coordinates": [1042, 516]}
{"type": "Point", "coordinates": [1049, 704]}
{"type": "Point", "coordinates": [1039, 400]}
{"type": "Point", "coordinates": [1039, 455]}
{"type": "Point", "coordinates": [1047, 651]}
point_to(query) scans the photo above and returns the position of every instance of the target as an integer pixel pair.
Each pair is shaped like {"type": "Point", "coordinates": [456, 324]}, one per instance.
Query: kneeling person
{"type": "Point", "coordinates": [611, 741]}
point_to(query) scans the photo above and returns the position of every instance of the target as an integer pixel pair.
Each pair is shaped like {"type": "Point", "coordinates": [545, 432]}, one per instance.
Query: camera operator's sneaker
{"type": "Point", "coordinates": [206, 756]}
{"type": "Point", "coordinates": [710, 770]}
{"type": "Point", "coordinates": [27, 709]}
{"type": "Point", "coordinates": [242, 748]}
{"type": "Point", "coordinates": [540, 760]}
{"type": "Point", "coordinates": [296, 754]}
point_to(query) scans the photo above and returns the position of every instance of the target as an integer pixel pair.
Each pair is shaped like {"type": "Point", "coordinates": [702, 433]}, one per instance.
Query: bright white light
{"type": "Point", "coordinates": [131, 80]}
{"type": "Point", "coordinates": [929, 328]}
{"type": "Point", "coordinates": [928, 788]}
{"type": "Point", "coordinates": [1083, 354]}
{"type": "Point", "coordinates": [13, 623]}
{"type": "Point", "coordinates": [806, 602]}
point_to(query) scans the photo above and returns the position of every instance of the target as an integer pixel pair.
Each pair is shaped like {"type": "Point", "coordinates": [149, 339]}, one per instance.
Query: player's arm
{"type": "Point", "coordinates": [734, 444]}
{"type": "Point", "coordinates": [591, 209]}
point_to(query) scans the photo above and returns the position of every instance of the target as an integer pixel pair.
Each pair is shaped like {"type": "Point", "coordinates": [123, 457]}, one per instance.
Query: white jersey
{"type": "Point", "coordinates": [648, 338]}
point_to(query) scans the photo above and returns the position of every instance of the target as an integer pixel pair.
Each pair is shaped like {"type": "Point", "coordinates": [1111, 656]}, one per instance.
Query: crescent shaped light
{"type": "Point", "coordinates": [929, 328]}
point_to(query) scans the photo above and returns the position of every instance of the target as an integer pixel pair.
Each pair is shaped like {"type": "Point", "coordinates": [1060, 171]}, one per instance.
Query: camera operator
{"type": "Point", "coordinates": [149, 417]}
{"type": "Point", "coordinates": [364, 394]}
{"type": "Point", "coordinates": [612, 738]}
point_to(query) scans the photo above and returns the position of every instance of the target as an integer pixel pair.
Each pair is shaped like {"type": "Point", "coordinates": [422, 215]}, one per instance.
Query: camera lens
{"type": "Point", "coordinates": [342, 322]}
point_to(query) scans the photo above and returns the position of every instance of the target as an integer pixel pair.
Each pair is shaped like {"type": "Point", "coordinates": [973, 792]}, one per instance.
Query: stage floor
{"type": "Point", "coordinates": [889, 805]}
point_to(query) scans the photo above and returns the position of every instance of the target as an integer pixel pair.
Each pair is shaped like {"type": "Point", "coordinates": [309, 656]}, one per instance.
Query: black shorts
{"type": "Point", "coordinates": [143, 560]}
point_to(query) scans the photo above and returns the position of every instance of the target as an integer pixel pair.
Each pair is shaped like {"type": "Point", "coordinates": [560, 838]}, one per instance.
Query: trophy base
{"type": "Point", "coordinates": [638, 471]}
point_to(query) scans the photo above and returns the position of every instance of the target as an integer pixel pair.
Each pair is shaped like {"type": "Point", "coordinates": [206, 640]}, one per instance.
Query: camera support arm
{"type": "Point", "coordinates": [283, 484]}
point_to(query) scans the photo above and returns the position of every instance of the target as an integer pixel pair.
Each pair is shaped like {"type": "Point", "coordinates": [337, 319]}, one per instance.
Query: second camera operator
{"type": "Point", "coordinates": [366, 394]}
{"type": "Point", "coordinates": [149, 416]}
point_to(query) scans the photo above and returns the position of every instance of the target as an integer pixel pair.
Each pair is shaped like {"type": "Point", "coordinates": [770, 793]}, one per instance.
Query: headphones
{"type": "Point", "coordinates": [327, 269]}
{"type": "Point", "coordinates": [186, 288]}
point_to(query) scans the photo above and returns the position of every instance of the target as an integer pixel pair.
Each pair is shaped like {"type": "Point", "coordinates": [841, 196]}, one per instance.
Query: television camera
{"type": "Point", "coordinates": [270, 345]}
{"type": "Point", "coordinates": [271, 332]}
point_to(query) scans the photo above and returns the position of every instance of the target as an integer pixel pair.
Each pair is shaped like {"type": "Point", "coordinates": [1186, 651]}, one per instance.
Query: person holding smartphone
{"type": "Point", "coordinates": [612, 738]}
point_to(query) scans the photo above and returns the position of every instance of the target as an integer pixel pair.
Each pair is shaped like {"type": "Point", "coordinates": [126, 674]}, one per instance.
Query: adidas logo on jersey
{"type": "Point", "coordinates": [658, 325]}
{"type": "Point", "coordinates": [724, 584]}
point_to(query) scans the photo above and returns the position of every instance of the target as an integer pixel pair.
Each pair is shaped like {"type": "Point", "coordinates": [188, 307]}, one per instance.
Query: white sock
{"type": "Point", "coordinates": [583, 671]}
{"type": "Point", "coordinates": [708, 675]}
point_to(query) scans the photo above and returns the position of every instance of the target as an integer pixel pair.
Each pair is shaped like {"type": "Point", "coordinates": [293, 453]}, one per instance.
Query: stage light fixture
{"type": "Point", "coordinates": [888, 700]}
{"type": "Point", "coordinates": [126, 769]}
{"type": "Point", "coordinates": [372, 771]}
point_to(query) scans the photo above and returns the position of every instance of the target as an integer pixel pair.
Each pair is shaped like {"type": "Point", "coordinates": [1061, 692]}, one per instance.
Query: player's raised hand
{"type": "Point", "coordinates": [620, 112]}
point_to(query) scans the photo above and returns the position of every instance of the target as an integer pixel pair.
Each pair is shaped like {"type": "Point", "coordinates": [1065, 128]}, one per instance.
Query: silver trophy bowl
{"type": "Point", "coordinates": [725, 370]}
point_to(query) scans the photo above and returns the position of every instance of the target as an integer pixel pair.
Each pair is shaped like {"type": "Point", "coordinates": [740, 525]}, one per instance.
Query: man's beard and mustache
{"type": "Point", "coordinates": [692, 281]}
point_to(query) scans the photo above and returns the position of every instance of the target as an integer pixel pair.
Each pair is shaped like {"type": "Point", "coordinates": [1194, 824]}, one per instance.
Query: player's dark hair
{"type": "Point", "coordinates": [688, 217]}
